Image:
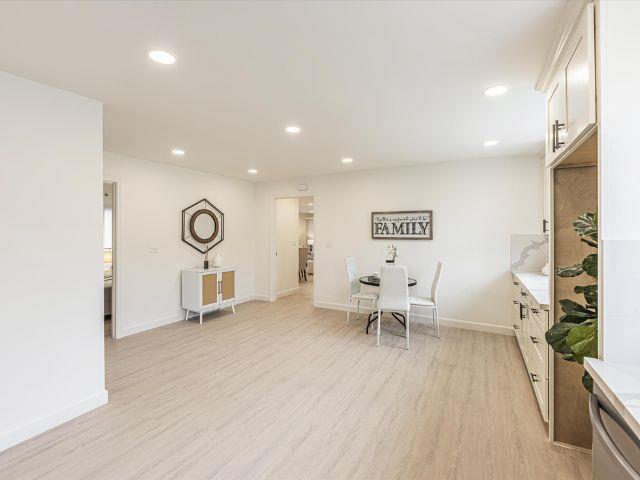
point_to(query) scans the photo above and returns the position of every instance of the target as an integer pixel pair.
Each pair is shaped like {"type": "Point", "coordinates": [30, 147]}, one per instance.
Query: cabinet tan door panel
{"type": "Point", "coordinates": [228, 285]}
{"type": "Point", "coordinates": [209, 289]}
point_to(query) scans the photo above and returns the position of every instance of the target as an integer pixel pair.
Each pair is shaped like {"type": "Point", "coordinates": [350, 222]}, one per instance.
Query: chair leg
{"type": "Point", "coordinates": [406, 328]}
{"type": "Point", "coordinates": [348, 310]}
{"type": "Point", "coordinates": [358, 311]}
{"type": "Point", "coordinates": [378, 333]}
{"type": "Point", "coordinates": [436, 321]}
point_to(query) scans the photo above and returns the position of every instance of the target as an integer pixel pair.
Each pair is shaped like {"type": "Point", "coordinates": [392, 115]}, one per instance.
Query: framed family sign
{"type": "Point", "coordinates": [404, 225]}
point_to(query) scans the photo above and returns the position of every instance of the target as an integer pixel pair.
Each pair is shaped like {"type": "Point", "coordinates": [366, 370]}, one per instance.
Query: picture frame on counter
{"type": "Point", "coordinates": [402, 225]}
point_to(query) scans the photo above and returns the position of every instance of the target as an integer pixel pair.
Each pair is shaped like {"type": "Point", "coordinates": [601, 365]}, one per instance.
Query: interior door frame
{"type": "Point", "coordinates": [273, 243]}
{"type": "Point", "coordinates": [116, 253]}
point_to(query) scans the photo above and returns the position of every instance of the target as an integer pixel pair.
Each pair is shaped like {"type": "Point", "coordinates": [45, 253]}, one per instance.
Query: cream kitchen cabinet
{"type": "Point", "coordinates": [207, 290]}
{"type": "Point", "coordinates": [530, 322]}
{"type": "Point", "coordinates": [571, 97]}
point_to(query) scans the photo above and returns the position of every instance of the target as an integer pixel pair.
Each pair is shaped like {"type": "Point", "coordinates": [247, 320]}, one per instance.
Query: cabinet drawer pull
{"type": "Point", "coordinates": [534, 377]}
{"type": "Point", "coordinates": [516, 302]}
{"type": "Point", "coordinates": [516, 327]}
{"type": "Point", "coordinates": [534, 340]}
{"type": "Point", "coordinates": [556, 131]}
{"type": "Point", "coordinates": [524, 294]}
{"type": "Point", "coordinates": [521, 312]}
{"type": "Point", "coordinates": [516, 283]}
{"type": "Point", "coordinates": [535, 310]}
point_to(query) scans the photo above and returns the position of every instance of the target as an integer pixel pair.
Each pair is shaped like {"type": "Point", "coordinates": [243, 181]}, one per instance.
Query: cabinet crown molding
{"type": "Point", "coordinates": [570, 20]}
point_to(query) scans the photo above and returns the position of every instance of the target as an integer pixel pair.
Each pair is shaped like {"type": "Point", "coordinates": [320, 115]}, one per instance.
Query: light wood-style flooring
{"type": "Point", "coordinates": [287, 391]}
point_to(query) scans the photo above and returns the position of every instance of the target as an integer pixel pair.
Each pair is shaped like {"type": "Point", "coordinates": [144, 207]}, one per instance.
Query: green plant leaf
{"type": "Point", "coordinates": [590, 265]}
{"type": "Point", "coordinates": [572, 271]}
{"type": "Point", "coordinates": [590, 293]}
{"type": "Point", "coordinates": [591, 243]}
{"type": "Point", "coordinates": [586, 225]}
{"type": "Point", "coordinates": [570, 307]}
{"type": "Point", "coordinates": [583, 341]}
{"type": "Point", "coordinates": [556, 337]}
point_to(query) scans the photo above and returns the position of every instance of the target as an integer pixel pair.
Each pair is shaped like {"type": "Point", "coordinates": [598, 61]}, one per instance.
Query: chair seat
{"type": "Point", "coordinates": [421, 301]}
{"type": "Point", "coordinates": [365, 296]}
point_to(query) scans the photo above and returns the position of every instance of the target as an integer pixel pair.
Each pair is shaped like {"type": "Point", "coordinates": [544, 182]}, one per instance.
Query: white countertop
{"type": "Point", "coordinates": [621, 385]}
{"type": "Point", "coordinates": [537, 285]}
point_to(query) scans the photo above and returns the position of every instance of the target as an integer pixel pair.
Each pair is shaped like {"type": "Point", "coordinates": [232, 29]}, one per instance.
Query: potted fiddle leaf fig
{"type": "Point", "coordinates": [575, 336]}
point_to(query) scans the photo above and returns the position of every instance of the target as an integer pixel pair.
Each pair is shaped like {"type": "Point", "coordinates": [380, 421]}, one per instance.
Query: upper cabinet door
{"type": "Point", "coordinates": [580, 77]}
{"type": "Point", "coordinates": [571, 98]}
{"type": "Point", "coordinates": [556, 118]}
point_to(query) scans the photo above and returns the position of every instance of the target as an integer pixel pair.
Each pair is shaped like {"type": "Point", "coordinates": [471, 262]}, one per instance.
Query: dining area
{"type": "Point", "coordinates": [387, 292]}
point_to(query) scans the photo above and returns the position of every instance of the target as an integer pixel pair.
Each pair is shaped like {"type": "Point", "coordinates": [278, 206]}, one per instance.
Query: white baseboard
{"type": "Point", "coordinates": [20, 434]}
{"type": "Point", "coordinates": [263, 298]}
{"type": "Point", "coordinates": [161, 322]}
{"type": "Point", "coordinates": [449, 322]}
{"type": "Point", "coordinates": [143, 327]}
{"type": "Point", "coordinates": [285, 293]}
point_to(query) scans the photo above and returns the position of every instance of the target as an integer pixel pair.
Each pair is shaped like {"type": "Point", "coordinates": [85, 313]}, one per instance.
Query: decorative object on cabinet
{"type": "Point", "coordinates": [402, 225]}
{"type": "Point", "coordinates": [202, 226]}
{"type": "Point", "coordinates": [575, 336]}
{"type": "Point", "coordinates": [392, 254]}
{"type": "Point", "coordinates": [208, 290]}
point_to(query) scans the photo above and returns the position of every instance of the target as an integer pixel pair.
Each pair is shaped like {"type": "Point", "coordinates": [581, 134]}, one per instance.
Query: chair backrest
{"type": "Point", "coordinates": [394, 288]}
{"type": "Point", "coordinates": [436, 282]}
{"type": "Point", "coordinates": [352, 274]}
{"type": "Point", "coordinates": [303, 253]}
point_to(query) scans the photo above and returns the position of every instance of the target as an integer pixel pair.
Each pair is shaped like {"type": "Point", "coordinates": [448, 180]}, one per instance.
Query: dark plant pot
{"type": "Point", "coordinates": [206, 264]}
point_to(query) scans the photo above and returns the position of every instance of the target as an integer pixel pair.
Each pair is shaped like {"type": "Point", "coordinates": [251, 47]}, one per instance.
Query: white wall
{"type": "Point", "coordinates": [150, 200]}
{"type": "Point", "coordinates": [619, 171]}
{"type": "Point", "coordinates": [287, 224]}
{"type": "Point", "coordinates": [51, 331]}
{"type": "Point", "coordinates": [476, 205]}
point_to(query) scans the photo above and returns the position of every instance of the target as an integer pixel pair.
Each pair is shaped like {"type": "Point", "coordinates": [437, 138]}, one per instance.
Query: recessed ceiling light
{"type": "Point", "coordinates": [292, 129]}
{"type": "Point", "coordinates": [490, 143]}
{"type": "Point", "coordinates": [347, 160]}
{"type": "Point", "coordinates": [495, 90]}
{"type": "Point", "coordinates": [162, 57]}
{"type": "Point", "coordinates": [252, 171]}
{"type": "Point", "coordinates": [310, 204]}
{"type": "Point", "coordinates": [178, 151]}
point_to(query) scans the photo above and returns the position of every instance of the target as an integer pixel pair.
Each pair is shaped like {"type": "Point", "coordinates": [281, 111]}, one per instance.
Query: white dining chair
{"type": "Point", "coordinates": [394, 296]}
{"type": "Point", "coordinates": [355, 289]}
{"type": "Point", "coordinates": [431, 302]}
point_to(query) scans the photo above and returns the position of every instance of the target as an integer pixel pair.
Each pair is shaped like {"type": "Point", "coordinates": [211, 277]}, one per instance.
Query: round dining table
{"type": "Point", "coordinates": [374, 281]}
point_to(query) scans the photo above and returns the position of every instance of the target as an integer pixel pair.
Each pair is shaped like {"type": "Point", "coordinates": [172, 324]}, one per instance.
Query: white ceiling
{"type": "Point", "coordinates": [387, 83]}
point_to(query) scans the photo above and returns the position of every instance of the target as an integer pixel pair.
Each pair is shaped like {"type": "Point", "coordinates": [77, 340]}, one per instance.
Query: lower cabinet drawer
{"type": "Point", "coordinates": [538, 344]}
{"type": "Point", "coordinates": [539, 381]}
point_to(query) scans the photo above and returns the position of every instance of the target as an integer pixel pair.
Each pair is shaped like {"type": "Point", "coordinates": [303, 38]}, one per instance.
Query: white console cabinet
{"type": "Point", "coordinates": [207, 290]}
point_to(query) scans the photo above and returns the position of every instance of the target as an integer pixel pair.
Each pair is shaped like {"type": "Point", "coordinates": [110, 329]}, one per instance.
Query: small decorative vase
{"type": "Point", "coordinates": [217, 261]}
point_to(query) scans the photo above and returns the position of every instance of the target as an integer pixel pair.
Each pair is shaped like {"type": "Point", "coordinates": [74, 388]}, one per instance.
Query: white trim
{"type": "Point", "coordinates": [286, 293]}
{"type": "Point", "coordinates": [169, 319]}
{"type": "Point", "coordinates": [116, 266]}
{"type": "Point", "coordinates": [24, 432]}
{"type": "Point", "coordinates": [263, 298]}
{"type": "Point", "coordinates": [570, 20]}
{"type": "Point", "coordinates": [449, 322]}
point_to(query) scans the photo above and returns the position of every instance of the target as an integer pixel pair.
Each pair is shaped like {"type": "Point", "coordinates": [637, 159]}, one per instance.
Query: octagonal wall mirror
{"type": "Point", "coordinates": [202, 226]}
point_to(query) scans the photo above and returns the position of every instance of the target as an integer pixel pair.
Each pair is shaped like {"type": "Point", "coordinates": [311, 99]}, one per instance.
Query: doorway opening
{"type": "Point", "coordinates": [294, 241]}
{"type": "Point", "coordinates": [109, 252]}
